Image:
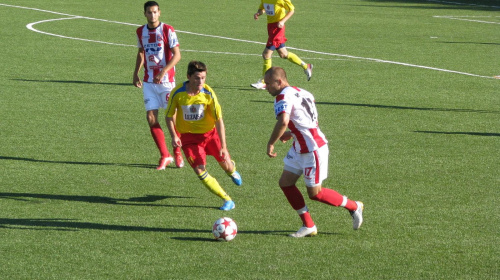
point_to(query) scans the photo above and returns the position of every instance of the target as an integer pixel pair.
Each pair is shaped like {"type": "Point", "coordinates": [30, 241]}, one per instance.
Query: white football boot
{"type": "Point", "coordinates": [259, 84]}
{"type": "Point", "coordinates": [305, 231]}
{"type": "Point", "coordinates": [309, 71]}
{"type": "Point", "coordinates": [357, 215]}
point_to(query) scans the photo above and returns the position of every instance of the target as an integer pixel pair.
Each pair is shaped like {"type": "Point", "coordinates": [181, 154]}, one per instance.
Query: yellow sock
{"type": "Point", "coordinates": [267, 65]}
{"type": "Point", "coordinates": [213, 186]}
{"type": "Point", "coordinates": [296, 60]}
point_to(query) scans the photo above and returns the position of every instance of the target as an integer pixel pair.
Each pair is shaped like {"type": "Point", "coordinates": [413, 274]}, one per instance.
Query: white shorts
{"type": "Point", "coordinates": [156, 95]}
{"type": "Point", "coordinates": [314, 165]}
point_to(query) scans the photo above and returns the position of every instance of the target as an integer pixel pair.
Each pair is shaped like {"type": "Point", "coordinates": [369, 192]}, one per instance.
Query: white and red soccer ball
{"type": "Point", "coordinates": [224, 229]}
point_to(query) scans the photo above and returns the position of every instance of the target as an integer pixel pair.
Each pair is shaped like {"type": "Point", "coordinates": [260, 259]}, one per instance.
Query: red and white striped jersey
{"type": "Point", "coordinates": [303, 124]}
{"type": "Point", "coordinates": [157, 44]}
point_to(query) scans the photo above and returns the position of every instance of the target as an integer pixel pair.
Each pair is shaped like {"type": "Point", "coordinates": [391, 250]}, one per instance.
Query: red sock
{"type": "Point", "coordinates": [294, 197]}
{"type": "Point", "coordinates": [306, 219]}
{"type": "Point", "coordinates": [296, 200]}
{"type": "Point", "coordinates": [159, 138]}
{"type": "Point", "coordinates": [334, 198]}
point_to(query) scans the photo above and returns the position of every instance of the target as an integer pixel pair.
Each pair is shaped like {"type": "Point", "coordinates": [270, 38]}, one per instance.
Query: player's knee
{"type": "Point", "coordinates": [313, 192]}
{"type": "Point", "coordinates": [199, 169]}
{"type": "Point", "coordinates": [283, 183]}
{"type": "Point", "coordinates": [152, 122]}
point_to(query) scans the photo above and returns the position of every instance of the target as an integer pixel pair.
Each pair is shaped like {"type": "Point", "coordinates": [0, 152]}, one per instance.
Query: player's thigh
{"type": "Point", "coordinates": [195, 155]}
{"type": "Point", "coordinates": [156, 95]}
{"type": "Point", "coordinates": [213, 147]}
{"type": "Point", "coordinates": [288, 178]}
{"type": "Point", "coordinates": [282, 51]}
{"type": "Point", "coordinates": [315, 166]}
{"type": "Point", "coordinates": [151, 99]}
{"type": "Point", "coordinates": [292, 169]}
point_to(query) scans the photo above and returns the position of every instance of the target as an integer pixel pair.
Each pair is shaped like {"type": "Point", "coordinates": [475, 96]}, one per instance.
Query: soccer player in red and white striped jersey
{"type": "Point", "coordinates": [295, 109]}
{"type": "Point", "coordinates": [158, 53]}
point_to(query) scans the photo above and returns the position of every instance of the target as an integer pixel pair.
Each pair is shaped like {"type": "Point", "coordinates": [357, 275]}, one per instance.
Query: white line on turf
{"type": "Point", "coordinates": [30, 27]}
{"type": "Point", "coordinates": [470, 18]}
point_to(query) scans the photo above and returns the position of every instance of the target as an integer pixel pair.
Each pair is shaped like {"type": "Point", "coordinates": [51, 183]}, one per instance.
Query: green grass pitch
{"type": "Point", "coordinates": [406, 95]}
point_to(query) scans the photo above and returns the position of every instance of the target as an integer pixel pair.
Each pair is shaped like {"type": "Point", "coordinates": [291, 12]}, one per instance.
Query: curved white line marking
{"type": "Point", "coordinates": [30, 27]}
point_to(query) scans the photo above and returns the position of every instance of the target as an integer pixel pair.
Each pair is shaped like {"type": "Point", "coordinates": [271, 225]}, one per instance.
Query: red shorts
{"type": "Point", "coordinates": [196, 147]}
{"type": "Point", "coordinates": [276, 36]}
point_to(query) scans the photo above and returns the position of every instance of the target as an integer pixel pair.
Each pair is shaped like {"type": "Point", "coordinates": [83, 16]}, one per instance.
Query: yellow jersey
{"type": "Point", "coordinates": [276, 9]}
{"type": "Point", "coordinates": [195, 114]}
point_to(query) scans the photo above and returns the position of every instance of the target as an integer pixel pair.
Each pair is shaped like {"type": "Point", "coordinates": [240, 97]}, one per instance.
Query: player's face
{"type": "Point", "coordinates": [273, 85]}
{"type": "Point", "coordinates": [197, 81]}
{"type": "Point", "coordinates": [152, 14]}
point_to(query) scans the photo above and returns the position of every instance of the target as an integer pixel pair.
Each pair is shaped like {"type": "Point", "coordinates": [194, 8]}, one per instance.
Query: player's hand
{"type": "Point", "coordinates": [286, 136]}
{"type": "Point", "coordinates": [137, 81]}
{"type": "Point", "coordinates": [176, 142]}
{"type": "Point", "coordinates": [256, 16]}
{"type": "Point", "coordinates": [281, 24]}
{"type": "Point", "coordinates": [157, 79]}
{"type": "Point", "coordinates": [270, 151]}
{"type": "Point", "coordinates": [223, 154]}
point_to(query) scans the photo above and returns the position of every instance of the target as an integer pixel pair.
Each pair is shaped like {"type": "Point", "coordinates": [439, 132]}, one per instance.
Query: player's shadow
{"type": "Point", "coordinates": [135, 165]}
{"type": "Point", "coordinates": [146, 200]}
{"type": "Point", "coordinates": [439, 5]}
{"type": "Point", "coordinates": [377, 106]}
{"type": "Point", "coordinates": [460, 133]}
{"type": "Point", "coordinates": [75, 225]}
{"type": "Point", "coordinates": [74, 82]}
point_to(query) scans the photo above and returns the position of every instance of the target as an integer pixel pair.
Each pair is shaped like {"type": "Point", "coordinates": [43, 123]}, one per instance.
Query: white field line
{"type": "Point", "coordinates": [30, 27]}
{"type": "Point", "coordinates": [470, 18]}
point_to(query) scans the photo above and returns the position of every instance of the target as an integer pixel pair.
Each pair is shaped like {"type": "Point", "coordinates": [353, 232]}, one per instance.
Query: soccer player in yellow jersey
{"type": "Point", "coordinates": [278, 12]}
{"type": "Point", "coordinates": [201, 128]}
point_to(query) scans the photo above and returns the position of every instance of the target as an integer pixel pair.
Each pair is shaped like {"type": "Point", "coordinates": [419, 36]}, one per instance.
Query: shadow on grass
{"type": "Point", "coordinates": [398, 107]}
{"type": "Point", "coordinates": [460, 133]}
{"type": "Point", "coordinates": [134, 201]}
{"type": "Point", "coordinates": [139, 201]}
{"type": "Point", "coordinates": [136, 165]}
{"type": "Point", "coordinates": [483, 5]}
{"type": "Point", "coordinates": [74, 82]}
{"type": "Point", "coordinates": [75, 225]}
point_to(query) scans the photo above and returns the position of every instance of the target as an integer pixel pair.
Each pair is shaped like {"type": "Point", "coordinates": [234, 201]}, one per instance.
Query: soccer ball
{"type": "Point", "coordinates": [224, 229]}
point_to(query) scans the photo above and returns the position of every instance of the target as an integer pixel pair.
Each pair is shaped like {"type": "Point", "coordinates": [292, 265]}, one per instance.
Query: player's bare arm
{"type": "Point", "coordinates": [138, 65]}
{"type": "Point", "coordinates": [278, 131]}
{"type": "Point", "coordinates": [221, 130]}
{"type": "Point", "coordinates": [258, 14]}
{"type": "Point", "coordinates": [176, 57]}
{"type": "Point", "coordinates": [282, 22]}
{"type": "Point", "coordinates": [176, 141]}
{"type": "Point", "coordinates": [287, 135]}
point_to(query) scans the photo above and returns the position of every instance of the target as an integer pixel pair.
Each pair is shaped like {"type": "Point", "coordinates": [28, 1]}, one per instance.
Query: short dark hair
{"type": "Point", "coordinates": [150, 4]}
{"type": "Point", "coordinates": [196, 66]}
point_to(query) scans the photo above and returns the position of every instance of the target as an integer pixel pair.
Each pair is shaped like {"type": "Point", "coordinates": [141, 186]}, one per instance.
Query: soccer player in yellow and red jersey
{"type": "Point", "coordinates": [201, 128]}
{"type": "Point", "coordinates": [278, 12]}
